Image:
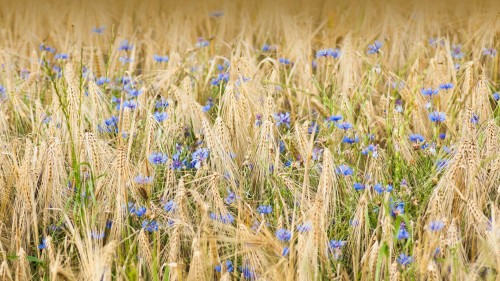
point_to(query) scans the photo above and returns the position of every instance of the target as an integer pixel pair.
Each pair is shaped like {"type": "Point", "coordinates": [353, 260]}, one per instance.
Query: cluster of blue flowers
{"type": "Point", "coordinates": [324, 53]}
{"type": "Point", "coordinates": [226, 219]}
{"type": "Point", "coordinates": [138, 210]}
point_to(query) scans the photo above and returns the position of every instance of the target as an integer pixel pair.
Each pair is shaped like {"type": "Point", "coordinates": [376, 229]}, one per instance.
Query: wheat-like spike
{"type": "Point", "coordinates": [432, 272]}
{"type": "Point", "coordinates": [196, 270]}
{"type": "Point", "coordinates": [371, 261]}
{"type": "Point", "coordinates": [394, 272]}
{"type": "Point", "coordinates": [144, 248]}
{"type": "Point", "coordinates": [452, 238]}
{"type": "Point", "coordinates": [478, 220]}
{"type": "Point", "coordinates": [5, 273]}
{"type": "Point", "coordinates": [225, 277]}
{"type": "Point", "coordinates": [22, 271]}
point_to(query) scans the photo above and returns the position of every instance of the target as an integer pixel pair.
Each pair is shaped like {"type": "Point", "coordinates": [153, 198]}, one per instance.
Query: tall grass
{"type": "Point", "coordinates": [252, 140]}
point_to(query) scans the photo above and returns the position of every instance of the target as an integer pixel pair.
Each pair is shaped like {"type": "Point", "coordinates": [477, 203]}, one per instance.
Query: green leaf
{"type": "Point", "coordinates": [12, 257]}
{"type": "Point", "coordinates": [34, 259]}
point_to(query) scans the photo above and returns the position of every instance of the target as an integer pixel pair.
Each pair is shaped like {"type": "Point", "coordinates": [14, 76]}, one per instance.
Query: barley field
{"type": "Point", "coordinates": [249, 140]}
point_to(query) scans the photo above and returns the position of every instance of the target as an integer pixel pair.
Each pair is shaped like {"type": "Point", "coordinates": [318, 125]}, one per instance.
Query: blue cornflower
{"type": "Point", "coordinates": [316, 154]}
{"type": "Point", "coordinates": [496, 96]}
{"type": "Point", "coordinates": [140, 179]}
{"type": "Point", "coordinates": [446, 86]}
{"type": "Point", "coordinates": [177, 164]}
{"type": "Point", "coordinates": [157, 158]}
{"type": "Point", "coordinates": [44, 47]}
{"type": "Point", "coordinates": [43, 245]}
{"type": "Point", "coordinates": [133, 92]}
{"type": "Point", "coordinates": [140, 211]}
{"type": "Point", "coordinates": [442, 136]}
{"type": "Point", "coordinates": [322, 53]}
{"type": "Point", "coordinates": [489, 52]}
{"type": "Point", "coordinates": [231, 197]}
{"type": "Point", "coordinates": [111, 121]}
{"type": "Point", "coordinates": [264, 209]}
{"type": "Point", "coordinates": [474, 119]}
{"type": "Point", "coordinates": [248, 273]}
{"type": "Point", "coordinates": [285, 61]}
{"type": "Point", "coordinates": [375, 47]}
{"type": "Point", "coordinates": [403, 183]}
{"type": "Point", "coordinates": [335, 248]}
{"type": "Point", "coordinates": [61, 56]}
{"type": "Point", "coordinates": [130, 104]}
{"type": "Point", "coordinates": [403, 233]}
{"type": "Point", "coordinates": [334, 53]}
{"type": "Point", "coordinates": [305, 227]}
{"type": "Point", "coordinates": [399, 106]}
{"type": "Point", "coordinates": [437, 116]}
{"type": "Point", "coordinates": [201, 43]}
{"type": "Point", "coordinates": [456, 51]}
{"type": "Point", "coordinates": [379, 188]}
{"type": "Point", "coordinates": [160, 59]}
{"type": "Point", "coordinates": [416, 138]}
{"type": "Point", "coordinates": [349, 140]}
{"type": "Point", "coordinates": [221, 78]}
{"type": "Point", "coordinates": [446, 149]}
{"type": "Point", "coordinates": [160, 116]}
{"type": "Point", "coordinates": [358, 186]}
{"type": "Point", "coordinates": [267, 48]}
{"type": "Point", "coordinates": [199, 157]}
{"type": "Point", "coordinates": [283, 235]}
{"type": "Point", "coordinates": [97, 235]}
{"type": "Point", "coordinates": [57, 70]}
{"type": "Point", "coordinates": [102, 80]}
{"type": "Point", "coordinates": [344, 170]}
{"type": "Point", "coordinates": [344, 126]}
{"type": "Point", "coordinates": [150, 226]}
{"type": "Point", "coordinates": [124, 80]}
{"type": "Point", "coordinates": [397, 208]}
{"type": "Point", "coordinates": [229, 267]}
{"type": "Point", "coordinates": [258, 120]}
{"type": "Point", "coordinates": [125, 60]}
{"type": "Point", "coordinates": [170, 206]}
{"type": "Point", "coordinates": [162, 103]}
{"type": "Point", "coordinates": [429, 92]}
{"type": "Point", "coordinates": [98, 30]}
{"type": "Point", "coordinates": [2, 90]}
{"type": "Point", "coordinates": [208, 105]}
{"type": "Point", "coordinates": [314, 65]}
{"type": "Point", "coordinates": [436, 225]}
{"type": "Point", "coordinates": [333, 118]}
{"type": "Point", "coordinates": [226, 219]}
{"type": "Point", "coordinates": [313, 128]}
{"type": "Point", "coordinates": [370, 149]}
{"type": "Point", "coordinates": [336, 244]}
{"type": "Point", "coordinates": [46, 119]}
{"type": "Point", "coordinates": [441, 164]}
{"type": "Point", "coordinates": [282, 118]}
{"type": "Point", "coordinates": [403, 259]}
{"type": "Point", "coordinates": [125, 46]}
